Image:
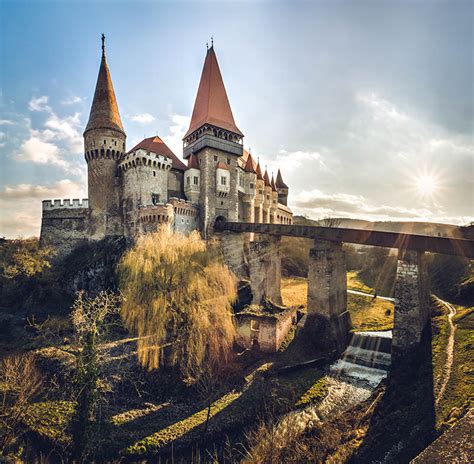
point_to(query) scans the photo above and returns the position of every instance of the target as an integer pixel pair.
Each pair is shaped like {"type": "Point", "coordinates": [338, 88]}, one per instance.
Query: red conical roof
{"type": "Point", "coordinates": [259, 172]}
{"type": "Point", "coordinates": [279, 181]}
{"type": "Point", "coordinates": [266, 179]}
{"type": "Point", "coordinates": [104, 110]}
{"type": "Point", "coordinates": [212, 105]}
{"type": "Point", "coordinates": [193, 162]}
{"type": "Point", "coordinates": [249, 164]}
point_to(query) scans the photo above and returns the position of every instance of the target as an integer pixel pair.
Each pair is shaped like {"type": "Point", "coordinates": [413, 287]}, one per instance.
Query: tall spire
{"type": "Point", "coordinates": [104, 111]}
{"type": "Point", "coordinates": [259, 171]}
{"type": "Point", "coordinates": [212, 105]}
{"type": "Point", "coordinates": [266, 179]}
{"type": "Point", "coordinates": [279, 181]}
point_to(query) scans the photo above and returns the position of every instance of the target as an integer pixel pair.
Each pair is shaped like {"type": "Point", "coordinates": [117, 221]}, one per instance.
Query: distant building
{"type": "Point", "coordinates": [133, 192]}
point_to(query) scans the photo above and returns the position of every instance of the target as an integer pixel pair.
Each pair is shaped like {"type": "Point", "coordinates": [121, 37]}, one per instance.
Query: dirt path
{"type": "Point", "coordinates": [446, 374]}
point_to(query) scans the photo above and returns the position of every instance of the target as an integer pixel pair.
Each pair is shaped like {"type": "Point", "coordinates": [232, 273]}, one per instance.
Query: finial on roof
{"type": "Point", "coordinates": [207, 46]}
{"type": "Point", "coordinates": [212, 42]}
{"type": "Point", "coordinates": [103, 43]}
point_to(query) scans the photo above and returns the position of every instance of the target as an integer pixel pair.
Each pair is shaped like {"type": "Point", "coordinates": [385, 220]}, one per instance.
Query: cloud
{"type": "Point", "coordinates": [57, 143]}
{"type": "Point", "coordinates": [39, 104]}
{"type": "Point", "coordinates": [6, 122]}
{"type": "Point", "coordinates": [21, 205]}
{"type": "Point", "coordinates": [317, 204]}
{"type": "Point", "coordinates": [174, 140]}
{"type": "Point", "coordinates": [144, 118]}
{"type": "Point", "coordinates": [73, 100]}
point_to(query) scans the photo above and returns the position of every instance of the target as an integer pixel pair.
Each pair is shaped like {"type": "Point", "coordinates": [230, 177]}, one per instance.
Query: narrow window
{"type": "Point", "coordinates": [223, 180]}
{"type": "Point", "coordinates": [196, 180]}
{"type": "Point", "coordinates": [228, 160]}
{"type": "Point", "coordinates": [155, 198]}
{"type": "Point", "coordinates": [154, 173]}
{"type": "Point", "coordinates": [188, 181]}
{"type": "Point", "coordinates": [251, 185]}
{"type": "Point", "coordinates": [215, 158]}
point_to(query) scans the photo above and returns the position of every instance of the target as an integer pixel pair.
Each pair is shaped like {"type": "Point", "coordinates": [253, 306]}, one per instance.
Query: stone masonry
{"type": "Point", "coordinates": [411, 301]}
{"type": "Point", "coordinates": [327, 294]}
{"type": "Point", "coordinates": [264, 261]}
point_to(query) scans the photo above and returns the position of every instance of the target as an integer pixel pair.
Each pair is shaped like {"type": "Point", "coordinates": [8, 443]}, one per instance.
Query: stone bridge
{"type": "Point", "coordinates": [327, 284]}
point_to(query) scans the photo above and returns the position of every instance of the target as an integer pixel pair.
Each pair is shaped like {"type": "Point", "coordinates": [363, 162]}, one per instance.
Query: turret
{"type": "Point", "coordinates": [267, 197]}
{"type": "Point", "coordinates": [104, 145]}
{"type": "Point", "coordinates": [274, 201]}
{"type": "Point", "coordinates": [192, 179]}
{"type": "Point", "coordinates": [282, 189]}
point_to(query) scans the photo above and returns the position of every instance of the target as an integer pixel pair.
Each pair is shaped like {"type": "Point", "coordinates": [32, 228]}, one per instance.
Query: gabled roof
{"type": "Point", "coordinates": [104, 110]}
{"type": "Point", "coordinates": [193, 162]}
{"type": "Point", "coordinates": [279, 181]}
{"type": "Point", "coordinates": [266, 179]}
{"type": "Point", "coordinates": [259, 172]}
{"type": "Point", "coordinates": [249, 165]}
{"type": "Point", "coordinates": [212, 105]}
{"type": "Point", "coordinates": [222, 165]}
{"type": "Point", "coordinates": [156, 145]}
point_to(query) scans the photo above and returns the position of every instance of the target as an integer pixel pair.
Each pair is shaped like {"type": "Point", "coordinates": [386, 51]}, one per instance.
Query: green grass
{"type": "Point", "coordinates": [50, 420]}
{"type": "Point", "coordinates": [315, 394]}
{"type": "Point", "coordinates": [369, 314]}
{"type": "Point", "coordinates": [459, 395]}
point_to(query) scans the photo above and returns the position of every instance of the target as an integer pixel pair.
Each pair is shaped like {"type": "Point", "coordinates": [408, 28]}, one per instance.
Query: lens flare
{"type": "Point", "coordinates": [427, 185]}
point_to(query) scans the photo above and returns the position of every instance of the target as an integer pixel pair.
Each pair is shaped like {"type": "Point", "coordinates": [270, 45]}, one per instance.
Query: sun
{"type": "Point", "coordinates": [427, 185]}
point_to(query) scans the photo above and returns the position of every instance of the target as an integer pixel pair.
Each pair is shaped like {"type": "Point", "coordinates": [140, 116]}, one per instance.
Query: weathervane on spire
{"type": "Point", "coordinates": [103, 42]}
{"type": "Point", "coordinates": [212, 41]}
{"type": "Point", "coordinates": [207, 46]}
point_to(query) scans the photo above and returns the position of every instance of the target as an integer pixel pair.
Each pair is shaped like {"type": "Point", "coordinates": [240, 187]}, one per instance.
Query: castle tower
{"type": "Point", "coordinates": [104, 145]}
{"type": "Point", "coordinates": [216, 140]}
{"type": "Point", "coordinates": [192, 179]}
{"type": "Point", "coordinates": [259, 194]}
{"type": "Point", "coordinates": [282, 189]}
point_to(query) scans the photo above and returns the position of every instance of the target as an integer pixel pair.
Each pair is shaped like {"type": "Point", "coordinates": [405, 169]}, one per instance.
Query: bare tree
{"type": "Point", "coordinates": [330, 222]}
{"type": "Point", "coordinates": [90, 320]}
{"type": "Point", "coordinates": [20, 382]}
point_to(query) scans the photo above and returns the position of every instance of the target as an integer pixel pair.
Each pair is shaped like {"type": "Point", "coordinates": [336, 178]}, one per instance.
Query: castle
{"type": "Point", "coordinates": [133, 192]}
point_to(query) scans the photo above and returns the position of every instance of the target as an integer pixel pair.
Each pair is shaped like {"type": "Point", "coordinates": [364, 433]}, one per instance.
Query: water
{"type": "Point", "coordinates": [350, 380]}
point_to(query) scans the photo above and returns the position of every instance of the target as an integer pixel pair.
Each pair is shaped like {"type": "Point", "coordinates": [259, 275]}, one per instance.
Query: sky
{"type": "Point", "coordinates": [366, 106]}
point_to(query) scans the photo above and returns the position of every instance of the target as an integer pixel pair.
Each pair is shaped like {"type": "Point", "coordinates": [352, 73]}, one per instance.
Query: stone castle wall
{"type": "Point", "coordinates": [64, 224]}
{"type": "Point", "coordinates": [211, 204]}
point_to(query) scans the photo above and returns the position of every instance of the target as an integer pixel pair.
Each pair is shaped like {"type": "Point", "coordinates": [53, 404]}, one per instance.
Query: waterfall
{"type": "Point", "coordinates": [351, 379]}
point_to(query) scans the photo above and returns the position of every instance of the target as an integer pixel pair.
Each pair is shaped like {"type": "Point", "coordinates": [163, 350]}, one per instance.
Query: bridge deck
{"type": "Point", "coordinates": [444, 245]}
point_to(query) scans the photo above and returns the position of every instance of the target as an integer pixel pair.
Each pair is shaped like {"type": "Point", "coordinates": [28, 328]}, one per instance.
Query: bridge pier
{"type": "Point", "coordinates": [327, 295]}
{"type": "Point", "coordinates": [412, 303]}
{"type": "Point", "coordinates": [233, 248]}
{"type": "Point", "coordinates": [264, 262]}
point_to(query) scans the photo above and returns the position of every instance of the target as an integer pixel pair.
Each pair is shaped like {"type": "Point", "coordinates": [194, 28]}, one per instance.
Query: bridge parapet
{"type": "Point", "coordinates": [444, 245]}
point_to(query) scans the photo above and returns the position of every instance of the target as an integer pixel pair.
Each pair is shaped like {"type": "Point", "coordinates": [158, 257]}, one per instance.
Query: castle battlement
{"type": "Point", "coordinates": [141, 157]}
{"type": "Point", "coordinates": [67, 203]}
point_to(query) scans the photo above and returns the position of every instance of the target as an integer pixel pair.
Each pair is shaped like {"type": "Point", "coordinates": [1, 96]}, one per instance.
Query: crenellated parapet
{"type": "Point", "coordinates": [67, 203]}
{"type": "Point", "coordinates": [183, 207]}
{"type": "Point", "coordinates": [144, 158]}
{"type": "Point", "coordinates": [156, 214]}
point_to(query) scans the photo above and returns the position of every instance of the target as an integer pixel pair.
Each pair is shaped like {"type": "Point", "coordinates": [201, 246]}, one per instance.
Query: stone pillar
{"type": "Point", "coordinates": [412, 302]}
{"type": "Point", "coordinates": [264, 260]}
{"type": "Point", "coordinates": [232, 245]}
{"type": "Point", "coordinates": [328, 316]}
